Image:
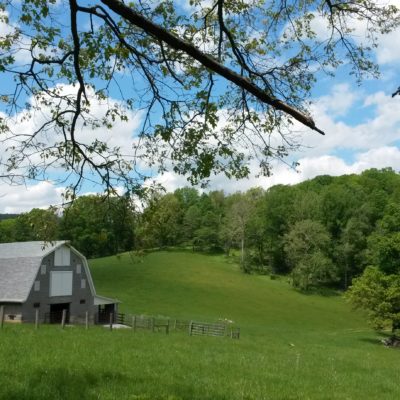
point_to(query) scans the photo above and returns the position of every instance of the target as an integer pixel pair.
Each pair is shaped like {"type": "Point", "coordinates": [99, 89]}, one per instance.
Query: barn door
{"type": "Point", "coordinates": [56, 311]}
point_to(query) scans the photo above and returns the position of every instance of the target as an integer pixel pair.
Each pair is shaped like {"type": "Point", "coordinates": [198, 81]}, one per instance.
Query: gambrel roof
{"type": "Point", "coordinates": [19, 265]}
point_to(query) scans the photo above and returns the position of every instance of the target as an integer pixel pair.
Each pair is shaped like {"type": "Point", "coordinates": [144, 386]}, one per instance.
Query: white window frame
{"type": "Point", "coordinates": [62, 256]}
{"type": "Point", "coordinates": [43, 269]}
{"type": "Point", "coordinates": [78, 268]}
{"type": "Point", "coordinates": [83, 283]}
{"type": "Point", "coordinates": [61, 283]}
{"type": "Point", "coordinates": [36, 286]}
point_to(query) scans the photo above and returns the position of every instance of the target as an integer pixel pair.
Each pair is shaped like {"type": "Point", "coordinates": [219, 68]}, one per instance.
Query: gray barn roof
{"type": "Point", "coordinates": [19, 264]}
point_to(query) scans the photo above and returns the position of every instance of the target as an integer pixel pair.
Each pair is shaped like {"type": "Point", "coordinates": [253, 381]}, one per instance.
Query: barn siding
{"type": "Point", "coordinates": [12, 312]}
{"type": "Point", "coordinates": [77, 310]}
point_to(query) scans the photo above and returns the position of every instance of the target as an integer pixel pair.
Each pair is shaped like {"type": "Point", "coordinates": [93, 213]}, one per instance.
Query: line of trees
{"type": "Point", "coordinates": [324, 231]}
{"type": "Point", "coordinates": [95, 225]}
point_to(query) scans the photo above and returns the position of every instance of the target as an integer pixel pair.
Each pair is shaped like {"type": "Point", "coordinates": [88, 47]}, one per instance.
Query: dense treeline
{"type": "Point", "coordinates": [96, 225]}
{"type": "Point", "coordinates": [323, 231]}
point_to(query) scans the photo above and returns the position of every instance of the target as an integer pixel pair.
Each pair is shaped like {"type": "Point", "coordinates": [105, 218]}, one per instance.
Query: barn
{"type": "Point", "coordinates": [50, 278]}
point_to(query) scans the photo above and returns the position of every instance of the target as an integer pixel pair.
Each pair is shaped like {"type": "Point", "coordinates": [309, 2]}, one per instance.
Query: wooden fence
{"type": "Point", "coordinates": [205, 329]}
{"type": "Point", "coordinates": [141, 322]}
{"type": "Point", "coordinates": [144, 322]}
{"type": "Point", "coordinates": [150, 323]}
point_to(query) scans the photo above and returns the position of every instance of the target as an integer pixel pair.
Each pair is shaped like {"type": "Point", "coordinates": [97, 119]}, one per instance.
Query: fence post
{"type": "Point", "coordinates": [190, 328]}
{"type": "Point", "coordinates": [87, 320]}
{"type": "Point", "coordinates": [37, 318]}
{"type": "Point", "coordinates": [64, 314]}
{"type": "Point", "coordinates": [1, 317]}
{"type": "Point", "coordinates": [134, 323]}
{"type": "Point", "coordinates": [111, 320]}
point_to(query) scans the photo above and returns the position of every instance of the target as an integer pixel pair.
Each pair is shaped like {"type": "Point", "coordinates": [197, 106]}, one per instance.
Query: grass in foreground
{"type": "Point", "coordinates": [292, 346]}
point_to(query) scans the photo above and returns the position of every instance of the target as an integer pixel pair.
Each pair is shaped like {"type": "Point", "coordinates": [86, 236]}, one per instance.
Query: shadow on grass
{"type": "Point", "coordinates": [321, 291]}
{"type": "Point", "coordinates": [206, 251]}
{"type": "Point", "coordinates": [378, 340]}
{"type": "Point", "coordinates": [60, 383]}
{"type": "Point", "coordinates": [66, 384]}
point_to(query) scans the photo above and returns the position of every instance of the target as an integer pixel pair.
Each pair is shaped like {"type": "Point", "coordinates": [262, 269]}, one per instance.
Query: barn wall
{"type": "Point", "coordinates": [41, 299]}
{"type": "Point", "coordinates": [12, 312]}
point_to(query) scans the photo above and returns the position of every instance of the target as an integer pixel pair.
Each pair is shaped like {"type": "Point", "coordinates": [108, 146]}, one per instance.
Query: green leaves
{"type": "Point", "coordinates": [205, 79]}
{"type": "Point", "coordinates": [379, 295]}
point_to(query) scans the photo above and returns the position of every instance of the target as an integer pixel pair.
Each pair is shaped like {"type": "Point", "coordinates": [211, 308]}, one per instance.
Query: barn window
{"type": "Point", "coordinates": [36, 305]}
{"type": "Point", "coordinates": [36, 287]}
{"type": "Point", "coordinates": [62, 256]}
{"type": "Point", "coordinates": [60, 283]}
{"type": "Point", "coordinates": [78, 268]}
{"type": "Point", "coordinates": [83, 301]}
{"type": "Point", "coordinates": [83, 283]}
{"type": "Point", "coordinates": [43, 269]}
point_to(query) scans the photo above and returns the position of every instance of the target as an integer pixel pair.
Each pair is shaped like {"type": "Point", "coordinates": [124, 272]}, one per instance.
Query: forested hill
{"type": "Point", "coordinates": [325, 230]}
{"type": "Point", "coordinates": [322, 231]}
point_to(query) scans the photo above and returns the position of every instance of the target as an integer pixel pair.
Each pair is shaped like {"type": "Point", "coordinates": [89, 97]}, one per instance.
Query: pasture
{"type": "Point", "coordinates": [292, 346]}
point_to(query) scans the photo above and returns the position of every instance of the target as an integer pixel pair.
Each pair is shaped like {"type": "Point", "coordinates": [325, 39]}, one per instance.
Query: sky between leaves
{"type": "Point", "coordinates": [362, 125]}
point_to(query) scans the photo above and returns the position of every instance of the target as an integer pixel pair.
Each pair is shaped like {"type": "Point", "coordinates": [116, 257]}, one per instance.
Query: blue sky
{"type": "Point", "coordinates": [362, 125]}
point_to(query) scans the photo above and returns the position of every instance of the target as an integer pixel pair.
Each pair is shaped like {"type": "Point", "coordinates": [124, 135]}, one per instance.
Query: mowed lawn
{"type": "Point", "coordinates": [292, 346]}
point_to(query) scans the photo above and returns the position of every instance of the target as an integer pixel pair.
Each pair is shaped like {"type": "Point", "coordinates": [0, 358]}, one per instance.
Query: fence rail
{"type": "Point", "coordinates": [204, 329]}
{"type": "Point", "coordinates": [141, 322]}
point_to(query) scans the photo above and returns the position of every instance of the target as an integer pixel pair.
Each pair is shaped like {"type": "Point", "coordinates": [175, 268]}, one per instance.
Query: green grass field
{"type": "Point", "coordinates": [292, 346]}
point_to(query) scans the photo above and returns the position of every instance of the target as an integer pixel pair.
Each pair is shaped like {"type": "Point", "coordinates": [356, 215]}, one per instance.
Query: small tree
{"type": "Point", "coordinates": [379, 295]}
{"type": "Point", "coordinates": [313, 270]}
{"type": "Point", "coordinates": [307, 251]}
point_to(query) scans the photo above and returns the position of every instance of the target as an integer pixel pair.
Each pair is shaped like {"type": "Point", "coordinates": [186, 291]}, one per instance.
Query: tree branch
{"type": "Point", "coordinates": [207, 61]}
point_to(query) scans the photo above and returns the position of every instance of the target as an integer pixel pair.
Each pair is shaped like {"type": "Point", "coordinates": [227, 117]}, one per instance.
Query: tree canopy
{"type": "Point", "coordinates": [209, 84]}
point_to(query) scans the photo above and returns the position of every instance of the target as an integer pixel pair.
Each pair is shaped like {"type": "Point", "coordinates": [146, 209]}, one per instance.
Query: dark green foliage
{"type": "Point", "coordinates": [324, 231]}
{"type": "Point", "coordinates": [378, 294]}
{"type": "Point", "coordinates": [4, 217]}
{"type": "Point", "coordinates": [36, 225]}
{"type": "Point", "coordinates": [99, 226]}
{"type": "Point", "coordinates": [307, 247]}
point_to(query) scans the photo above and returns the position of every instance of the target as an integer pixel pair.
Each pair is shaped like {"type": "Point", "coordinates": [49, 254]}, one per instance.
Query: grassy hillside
{"type": "Point", "coordinates": [201, 287]}
{"type": "Point", "coordinates": [292, 346]}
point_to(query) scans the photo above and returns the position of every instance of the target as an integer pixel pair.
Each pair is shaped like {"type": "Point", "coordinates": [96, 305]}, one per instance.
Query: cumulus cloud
{"type": "Point", "coordinates": [387, 49]}
{"type": "Point", "coordinates": [17, 199]}
{"type": "Point", "coordinates": [309, 168]}
{"type": "Point", "coordinates": [24, 124]}
{"type": "Point", "coordinates": [371, 143]}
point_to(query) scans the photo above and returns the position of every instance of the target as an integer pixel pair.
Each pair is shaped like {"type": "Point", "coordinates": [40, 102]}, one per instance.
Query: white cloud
{"type": "Point", "coordinates": [121, 135]}
{"type": "Point", "coordinates": [370, 142]}
{"type": "Point", "coordinates": [16, 199]}
{"type": "Point", "coordinates": [309, 168]}
{"type": "Point", "coordinates": [5, 28]}
{"type": "Point", "coordinates": [339, 101]}
{"type": "Point", "coordinates": [381, 125]}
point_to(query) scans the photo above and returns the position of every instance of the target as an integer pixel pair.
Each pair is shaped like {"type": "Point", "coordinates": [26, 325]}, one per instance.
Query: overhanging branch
{"type": "Point", "coordinates": [207, 61]}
